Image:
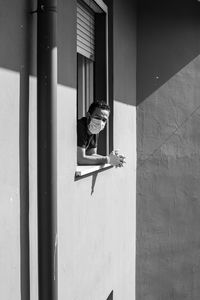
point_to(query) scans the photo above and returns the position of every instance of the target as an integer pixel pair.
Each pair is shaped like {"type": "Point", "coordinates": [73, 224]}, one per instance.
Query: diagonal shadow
{"type": "Point", "coordinates": [110, 297]}
{"type": "Point", "coordinates": [94, 178]}
{"type": "Point", "coordinates": [167, 40]}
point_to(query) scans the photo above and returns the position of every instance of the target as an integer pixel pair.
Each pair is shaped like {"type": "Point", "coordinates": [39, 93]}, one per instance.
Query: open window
{"type": "Point", "coordinates": [92, 61]}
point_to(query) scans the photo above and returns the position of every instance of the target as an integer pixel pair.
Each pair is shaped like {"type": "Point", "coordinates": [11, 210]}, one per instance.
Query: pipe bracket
{"type": "Point", "coordinates": [44, 9]}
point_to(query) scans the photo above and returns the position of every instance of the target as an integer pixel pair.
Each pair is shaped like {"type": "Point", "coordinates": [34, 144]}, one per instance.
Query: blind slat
{"type": "Point", "coordinates": [85, 22]}
{"type": "Point", "coordinates": [87, 11]}
{"type": "Point", "coordinates": [85, 53]}
{"type": "Point", "coordinates": [85, 48]}
{"type": "Point", "coordinates": [85, 32]}
{"type": "Point", "coordinates": [86, 16]}
{"type": "Point", "coordinates": [86, 37]}
{"type": "Point", "coordinates": [89, 29]}
{"type": "Point", "coordinates": [85, 42]}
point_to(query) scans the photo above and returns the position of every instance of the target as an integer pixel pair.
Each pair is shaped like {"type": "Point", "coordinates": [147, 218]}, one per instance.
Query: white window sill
{"type": "Point", "coordinates": [86, 169]}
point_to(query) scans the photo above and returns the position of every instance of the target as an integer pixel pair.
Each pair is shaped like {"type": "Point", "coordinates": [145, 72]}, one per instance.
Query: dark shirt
{"type": "Point", "coordinates": [84, 139]}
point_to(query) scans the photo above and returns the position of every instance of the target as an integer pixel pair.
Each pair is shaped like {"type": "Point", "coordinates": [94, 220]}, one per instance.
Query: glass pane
{"type": "Point", "coordinates": [89, 88]}
{"type": "Point", "coordinates": [85, 84]}
{"type": "Point", "coordinates": [80, 86]}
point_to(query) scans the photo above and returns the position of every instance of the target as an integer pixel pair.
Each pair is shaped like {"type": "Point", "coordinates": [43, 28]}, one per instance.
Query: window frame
{"type": "Point", "coordinates": [98, 6]}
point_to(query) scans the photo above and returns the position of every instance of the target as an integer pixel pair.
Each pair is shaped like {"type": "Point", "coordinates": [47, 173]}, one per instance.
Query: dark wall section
{"type": "Point", "coordinates": [67, 43]}
{"type": "Point", "coordinates": [168, 39]}
{"type": "Point", "coordinates": [17, 51]}
{"type": "Point", "coordinates": [124, 42]}
{"type": "Point", "coordinates": [168, 143]}
{"type": "Point", "coordinates": [18, 54]}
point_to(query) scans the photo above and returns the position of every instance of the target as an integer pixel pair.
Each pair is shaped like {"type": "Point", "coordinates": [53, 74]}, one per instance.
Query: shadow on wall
{"type": "Point", "coordinates": [110, 297]}
{"type": "Point", "coordinates": [168, 146]}
{"type": "Point", "coordinates": [167, 40]}
{"type": "Point", "coordinates": [16, 54]}
{"type": "Point", "coordinates": [27, 68]}
{"type": "Point", "coordinates": [18, 36]}
{"type": "Point", "coordinates": [124, 51]}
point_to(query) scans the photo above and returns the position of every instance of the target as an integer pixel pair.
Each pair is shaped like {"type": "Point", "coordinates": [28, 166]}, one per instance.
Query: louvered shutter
{"type": "Point", "coordinates": [85, 32]}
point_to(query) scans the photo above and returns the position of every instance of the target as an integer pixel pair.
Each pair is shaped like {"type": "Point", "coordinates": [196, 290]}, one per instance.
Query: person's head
{"type": "Point", "coordinates": [98, 115]}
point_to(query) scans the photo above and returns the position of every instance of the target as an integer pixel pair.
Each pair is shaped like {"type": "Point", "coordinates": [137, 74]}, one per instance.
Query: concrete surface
{"type": "Point", "coordinates": [168, 169]}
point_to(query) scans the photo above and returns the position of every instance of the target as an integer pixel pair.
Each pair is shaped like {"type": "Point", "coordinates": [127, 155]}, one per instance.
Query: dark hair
{"type": "Point", "coordinates": [98, 104]}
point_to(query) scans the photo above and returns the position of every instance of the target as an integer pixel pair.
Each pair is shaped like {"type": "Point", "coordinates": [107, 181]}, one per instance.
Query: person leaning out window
{"type": "Point", "coordinates": [88, 129]}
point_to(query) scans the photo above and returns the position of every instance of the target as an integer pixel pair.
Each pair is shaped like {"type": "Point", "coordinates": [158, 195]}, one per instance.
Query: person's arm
{"type": "Point", "coordinates": [93, 152]}
{"type": "Point", "coordinates": [90, 157]}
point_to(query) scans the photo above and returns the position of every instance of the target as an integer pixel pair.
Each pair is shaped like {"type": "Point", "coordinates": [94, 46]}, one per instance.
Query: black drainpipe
{"type": "Point", "coordinates": [47, 156]}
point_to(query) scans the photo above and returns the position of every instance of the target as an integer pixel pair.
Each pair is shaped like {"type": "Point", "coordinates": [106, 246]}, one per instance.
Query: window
{"type": "Point", "coordinates": [85, 58]}
{"type": "Point", "coordinates": [92, 60]}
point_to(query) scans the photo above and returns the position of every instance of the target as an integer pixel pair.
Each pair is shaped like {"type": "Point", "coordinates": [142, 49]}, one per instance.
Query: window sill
{"type": "Point", "coordinates": [86, 169]}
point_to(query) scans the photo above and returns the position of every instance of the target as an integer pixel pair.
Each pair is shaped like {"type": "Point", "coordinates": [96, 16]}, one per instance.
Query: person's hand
{"type": "Point", "coordinates": [122, 160]}
{"type": "Point", "coordinates": [121, 157]}
{"type": "Point", "coordinates": [116, 159]}
{"type": "Point", "coordinates": [113, 159]}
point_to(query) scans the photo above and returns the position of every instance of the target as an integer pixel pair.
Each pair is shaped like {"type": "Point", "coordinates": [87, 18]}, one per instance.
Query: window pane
{"type": "Point", "coordinates": [85, 81]}
{"type": "Point", "coordinates": [80, 86]}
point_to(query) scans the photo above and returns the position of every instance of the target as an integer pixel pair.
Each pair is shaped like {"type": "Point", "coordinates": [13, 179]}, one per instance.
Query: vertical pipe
{"type": "Point", "coordinates": [47, 189]}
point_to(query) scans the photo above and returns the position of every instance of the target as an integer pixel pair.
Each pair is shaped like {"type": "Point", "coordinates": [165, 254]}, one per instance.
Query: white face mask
{"type": "Point", "coordinates": [96, 125]}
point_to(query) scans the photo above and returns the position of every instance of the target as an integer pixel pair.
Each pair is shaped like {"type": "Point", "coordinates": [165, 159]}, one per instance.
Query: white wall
{"type": "Point", "coordinates": [13, 89]}
{"type": "Point", "coordinates": [96, 231]}
{"type": "Point", "coordinates": [9, 183]}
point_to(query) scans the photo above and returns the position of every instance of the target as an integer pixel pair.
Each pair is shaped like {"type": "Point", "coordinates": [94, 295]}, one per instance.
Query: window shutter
{"type": "Point", "coordinates": [85, 32]}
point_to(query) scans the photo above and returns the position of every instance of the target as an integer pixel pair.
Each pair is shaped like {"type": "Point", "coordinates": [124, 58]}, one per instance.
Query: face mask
{"type": "Point", "coordinates": [96, 125]}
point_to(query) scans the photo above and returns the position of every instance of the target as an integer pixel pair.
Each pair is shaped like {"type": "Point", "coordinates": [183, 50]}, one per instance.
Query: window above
{"type": "Point", "coordinates": [85, 31]}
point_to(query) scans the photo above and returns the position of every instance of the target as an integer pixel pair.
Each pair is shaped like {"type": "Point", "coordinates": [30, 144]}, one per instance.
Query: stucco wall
{"type": "Point", "coordinates": [96, 230]}
{"type": "Point", "coordinates": [14, 99]}
{"type": "Point", "coordinates": [168, 209]}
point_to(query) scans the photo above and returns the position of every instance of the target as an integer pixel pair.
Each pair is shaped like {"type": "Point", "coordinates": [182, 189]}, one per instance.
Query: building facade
{"type": "Point", "coordinates": [146, 66]}
{"type": "Point", "coordinates": [95, 213]}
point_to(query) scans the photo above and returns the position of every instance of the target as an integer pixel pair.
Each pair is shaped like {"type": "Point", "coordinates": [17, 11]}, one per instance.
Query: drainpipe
{"type": "Point", "coordinates": [46, 132]}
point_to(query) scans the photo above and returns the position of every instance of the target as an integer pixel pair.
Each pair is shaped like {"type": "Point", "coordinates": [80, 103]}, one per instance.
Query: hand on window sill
{"type": "Point", "coordinates": [116, 159]}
